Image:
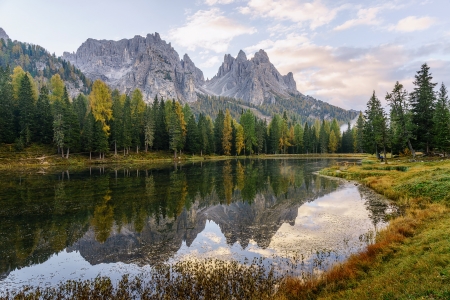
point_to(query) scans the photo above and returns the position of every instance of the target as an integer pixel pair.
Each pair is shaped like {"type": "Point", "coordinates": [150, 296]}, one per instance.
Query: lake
{"type": "Point", "coordinates": [78, 224]}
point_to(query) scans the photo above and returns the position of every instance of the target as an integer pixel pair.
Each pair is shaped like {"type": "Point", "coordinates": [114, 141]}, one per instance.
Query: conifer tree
{"type": "Point", "coordinates": [127, 128]}
{"type": "Point", "coordinates": [400, 118]}
{"type": "Point", "coordinates": [7, 130]}
{"type": "Point", "coordinates": [117, 119]}
{"type": "Point", "coordinates": [298, 137]}
{"type": "Point", "coordinates": [422, 101]}
{"type": "Point", "coordinates": [247, 122]}
{"type": "Point", "coordinates": [71, 125]}
{"type": "Point", "coordinates": [441, 120]}
{"type": "Point", "coordinates": [359, 140]}
{"type": "Point", "coordinates": [26, 110]}
{"type": "Point", "coordinates": [218, 132]}
{"type": "Point", "coordinates": [332, 142]}
{"type": "Point", "coordinates": [44, 118]}
{"type": "Point", "coordinates": [275, 133]}
{"type": "Point", "coordinates": [192, 136]}
{"type": "Point", "coordinates": [376, 127]}
{"type": "Point", "coordinates": [101, 104]}
{"type": "Point", "coordinates": [240, 138]}
{"type": "Point", "coordinates": [149, 128]}
{"type": "Point", "coordinates": [227, 133]}
{"type": "Point", "coordinates": [307, 138]}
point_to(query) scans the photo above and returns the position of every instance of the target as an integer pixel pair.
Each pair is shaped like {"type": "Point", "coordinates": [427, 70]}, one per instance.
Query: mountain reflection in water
{"type": "Point", "coordinates": [236, 209]}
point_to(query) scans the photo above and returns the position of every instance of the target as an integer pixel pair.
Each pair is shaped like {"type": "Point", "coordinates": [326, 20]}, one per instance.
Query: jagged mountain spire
{"type": "Point", "coordinates": [255, 80]}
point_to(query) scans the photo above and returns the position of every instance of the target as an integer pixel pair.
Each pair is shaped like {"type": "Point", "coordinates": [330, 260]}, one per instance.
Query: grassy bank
{"type": "Point", "coordinates": [411, 258]}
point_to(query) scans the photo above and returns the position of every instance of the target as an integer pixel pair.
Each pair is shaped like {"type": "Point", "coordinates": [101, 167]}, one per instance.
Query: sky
{"type": "Point", "coordinates": [339, 51]}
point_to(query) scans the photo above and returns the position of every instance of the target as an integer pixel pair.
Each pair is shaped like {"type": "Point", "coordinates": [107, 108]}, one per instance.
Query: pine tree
{"type": "Point", "coordinates": [7, 128]}
{"type": "Point", "coordinates": [274, 133]}
{"type": "Point", "coordinates": [400, 118]}
{"type": "Point", "coordinates": [44, 118]}
{"type": "Point", "coordinates": [227, 134]}
{"type": "Point", "coordinates": [71, 125]}
{"type": "Point", "coordinates": [332, 142]}
{"type": "Point", "coordinates": [376, 127]}
{"type": "Point", "coordinates": [116, 122]}
{"type": "Point", "coordinates": [307, 138]}
{"type": "Point", "coordinates": [298, 138]}
{"type": "Point", "coordinates": [240, 138]}
{"type": "Point", "coordinates": [324, 137]}
{"type": "Point", "coordinates": [192, 136]}
{"type": "Point", "coordinates": [247, 122]}
{"type": "Point", "coordinates": [218, 132]}
{"type": "Point", "coordinates": [88, 134]}
{"type": "Point", "coordinates": [359, 140]}
{"type": "Point", "coordinates": [422, 101]}
{"type": "Point", "coordinates": [127, 128]}
{"type": "Point", "coordinates": [26, 110]}
{"type": "Point", "coordinates": [203, 134]}
{"type": "Point", "coordinates": [149, 128]}
{"type": "Point", "coordinates": [441, 120]}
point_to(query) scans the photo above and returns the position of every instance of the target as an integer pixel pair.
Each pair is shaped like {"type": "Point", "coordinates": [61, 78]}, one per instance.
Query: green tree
{"type": "Point", "coordinates": [240, 138]}
{"type": "Point", "coordinates": [218, 132]}
{"type": "Point", "coordinates": [227, 133]}
{"type": "Point", "coordinates": [149, 128]}
{"type": "Point", "coordinates": [275, 133]}
{"type": "Point", "coordinates": [332, 142]}
{"type": "Point", "coordinates": [26, 110]}
{"type": "Point", "coordinates": [44, 118]}
{"type": "Point", "coordinates": [7, 128]}
{"type": "Point", "coordinates": [359, 140]}
{"type": "Point", "coordinates": [400, 118]}
{"type": "Point", "coordinates": [441, 120]}
{"type": "Point", "coordinates": [422, 101]}
{"type": "Point", "coordinates": [298, 137]}
{"type": "Point", "coordinates": [376, 127]}
{"type": "Point", "coordinates": [192, 136]}
{"type": "Point", "coordinates": [247, 121]}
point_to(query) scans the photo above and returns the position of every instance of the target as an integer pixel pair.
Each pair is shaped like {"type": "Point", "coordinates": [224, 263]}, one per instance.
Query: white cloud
{"type": "Point", "coordinates": [315, 13]}
{"type": "Point", "coordinates": [210, 62]}
{"type": "Point", "coordinates": [208, 29]}
{"type": "Point", "coordinates": [412, 23]}
{"type": "Point", "coordinates": [344, 76]}
{"type": "Point", "coordinates": [366, 16]}
{"type": "Point", "coordinates": [213, 2]}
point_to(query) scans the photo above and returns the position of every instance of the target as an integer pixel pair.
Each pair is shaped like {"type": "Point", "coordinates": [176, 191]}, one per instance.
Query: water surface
{"type": "Point", "coordinates": [103, 221]}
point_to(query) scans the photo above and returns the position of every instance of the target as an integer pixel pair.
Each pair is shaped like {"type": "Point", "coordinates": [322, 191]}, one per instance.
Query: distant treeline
{"type": "Point", "coordinates": [419, 120]}
{"type": "Point", "coordinates": [107, 120]}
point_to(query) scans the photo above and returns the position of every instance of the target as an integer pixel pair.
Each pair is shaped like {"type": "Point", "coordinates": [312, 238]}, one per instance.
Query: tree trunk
{"type": "Point", "coordinates": [115, 147]}
{"type": "Point", "coordinates": [201, 153]}
{"type": "Point", "coordinates": [413, 152]}
{"type": "Point", "coordinates": [100, 155]}
{"type": "Point", "coordinates": [62, 152]}
{"type": "Point", "coordinates": [67, 154]}
{"type": "Point", "coordinates": [137, 149]}
{"type": "Point", "coordinates": [175, 154]}
{"type": "Point", "coordinates": [384, 152]}
{"type": "Point", "coordinates": [90, 155]}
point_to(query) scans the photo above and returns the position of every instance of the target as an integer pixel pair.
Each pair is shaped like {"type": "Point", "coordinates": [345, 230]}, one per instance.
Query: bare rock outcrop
{"type": "Point", "coordinates": [255, 80]}
{"type": "Point", "coordinates": [3, 34]}
{"type": "Point", "coordinates": [147, 63]}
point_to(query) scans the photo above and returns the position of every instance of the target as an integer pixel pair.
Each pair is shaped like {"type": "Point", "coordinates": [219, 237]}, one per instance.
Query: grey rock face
{"type": "Point", "coordinates": [149, 63]}
{"type": "Point", "coordinates": [255, 80]}
{"type": "Point", "coordinates": [3, 34]}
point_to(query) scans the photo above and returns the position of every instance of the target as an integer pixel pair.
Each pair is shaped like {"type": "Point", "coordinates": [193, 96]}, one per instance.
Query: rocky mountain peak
{"type": "Point", "coordinates": [147, 63]}
{"type": "Point", "coordinates": [261, 57]}
{"type": "Point", "coordinates": [241, 56]}
{"type": "Point", "coordinates": [255, 80]}
{"type": "Point", "coordinates": [3, 34]}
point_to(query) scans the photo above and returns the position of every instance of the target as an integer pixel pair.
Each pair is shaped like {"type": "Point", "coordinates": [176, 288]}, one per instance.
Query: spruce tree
{"type": "Point", "coordinates": [26, 110]}
{"type": "Point", "coordinates": [441, 120]}
{"type": "Point", "coordinates": [44, 118]}
{"type": "Point", "coordinates": [400, 118]}
{"type": "Point", "coordinates": [274, 133]}
{"type": "Point", "coordinates": [376, 128]}
{"type": "Point", "coordinates": [192, 136]}
{"type": "Point", "coordinates": [7, 128]}
{"type": "Point", "coordinates": [218, 132]}
{"type": "Point", "coordinates": [422, 101]}
{"type": "Point", "coordinates": [227, 134]}
{"type": "Point", "coordinates": [359, 140]}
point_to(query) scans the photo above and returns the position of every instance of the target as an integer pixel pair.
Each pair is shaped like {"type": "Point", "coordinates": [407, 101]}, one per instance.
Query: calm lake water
{"type": "Point", "coordinates": [106, 221]}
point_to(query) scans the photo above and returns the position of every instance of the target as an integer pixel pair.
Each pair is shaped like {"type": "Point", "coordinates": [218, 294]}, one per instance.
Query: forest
{"type": "Point", "coordinates": [105, 120]}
